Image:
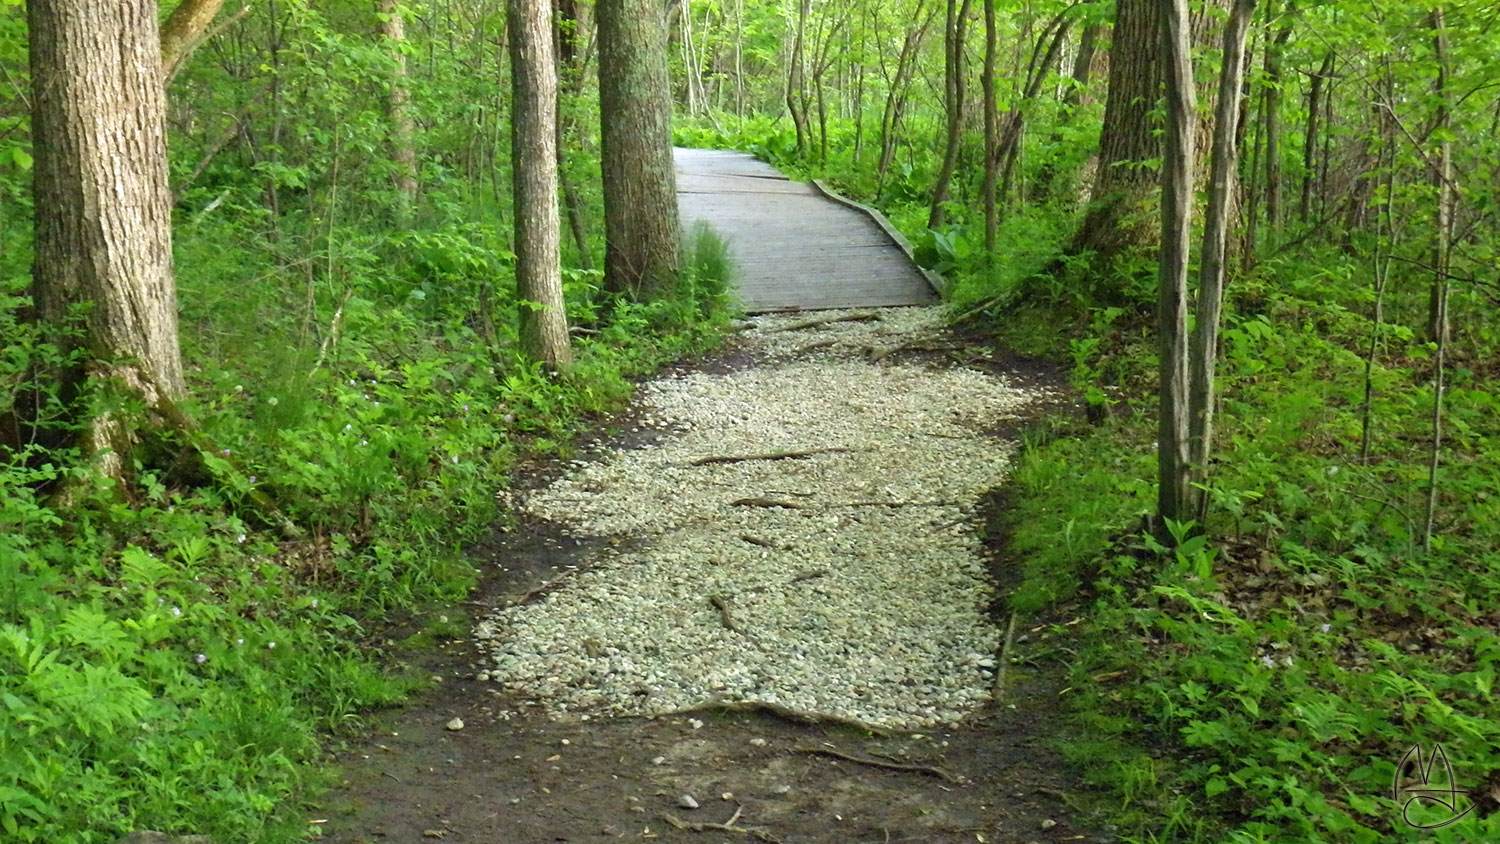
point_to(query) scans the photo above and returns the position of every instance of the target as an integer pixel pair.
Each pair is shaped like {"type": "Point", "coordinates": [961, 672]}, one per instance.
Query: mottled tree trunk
{"type": "Point", "coordinates": [991, 128]}
{"type": "Point", "coordinates": [640, 184]}
{"type": "Point", "coordinates": [1315, 93]}
{"type": "Point", "coordinates": [544, 325]}
{"type": "Point", "coordinates": [403, 146]}
{"type": "Point", "coordinates": [1271, 123]}
{"type": "Point", "coordinates": [103, 206]}
{"type": "Point", "coordinates": [1176, 224]}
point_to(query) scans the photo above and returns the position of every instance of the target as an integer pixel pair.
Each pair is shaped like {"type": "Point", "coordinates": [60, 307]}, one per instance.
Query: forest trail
{"type": "Point", "coordinates": [794, 246]}
{"type": "Point", "coordinates": [776, 558]}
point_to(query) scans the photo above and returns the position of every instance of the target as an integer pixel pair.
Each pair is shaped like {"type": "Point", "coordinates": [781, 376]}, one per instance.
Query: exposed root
{"type": "Point", "coordinates": [779, 455]}
{"type": "Point", "coordinates": [929, 770]}
{"type": "Point", "coordinates": [722, 605]}
{"type": "Point", "coordinates": [800, 716]}
{"type": "Point", "coordinates": [762, 501]}
{"type": "Point", "coordinates": [817, 323]}
{"type": "Point", "coordinates": [728, 826]}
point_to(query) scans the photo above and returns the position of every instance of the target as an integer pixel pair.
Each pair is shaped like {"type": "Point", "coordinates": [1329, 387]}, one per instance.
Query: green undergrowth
{"type": "Point", "coordinates": [1262, 681]}
{"type": "Point", "coordinates": [169, 659]}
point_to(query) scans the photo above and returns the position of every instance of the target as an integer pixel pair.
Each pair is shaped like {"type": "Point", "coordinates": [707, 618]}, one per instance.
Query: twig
{"type": "Point", "coordinates": [777, 455]}
{"type": "Point", "coordinates": [755, 540]}
{"type": "Point", "coordinates": [816, 323]}
{"type": "Point", "coordinates": [821, 344]}
{"type": "Point", "coordinates": [896, 504]}
{"type": "Point", "coordinates": [1010, 638]}
{"type": "Point", "coordinates": [722, 605]}
{"type": "Point", "coordinates": [930, 770]}
{"type": "Point", "coordinates": [808, 575]}
{"type": "Point", "coordinates": [752, 831]}
{"type": "Point", "coordinates": [800, 716]}
{"type": "Point", "coordinates": [762, 501]}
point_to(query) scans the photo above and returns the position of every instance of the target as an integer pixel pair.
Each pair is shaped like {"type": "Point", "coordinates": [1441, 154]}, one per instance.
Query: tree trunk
{"type": "Point", "coordinates": [1310, 140]}
{"type": "Point", "coordinates": [569, 81]}
{"type": "Point", "coordinates": [1442, 178]}
{"type": "Point", "coordinates": [794, 78]}
{"type": "Point", "coordinates": [103, 206]}
{"type": "Point", "coordinates": [954, 95]}
{"type": "Point", "coordinates": [543, 318]}
{"type": "Point", "coordinates": [1077, 96]}
{"type": "Point", "coordinates": [1116, 218]}
{"type": "Point", "coordinates": [899, 90]}
{"type": "Point", "coordinates": [183, 32]}
{"type": "Point", "coordinates": [403, 133]}
{"type": "Point", "coordinates": [1271, 120]}
{"type": "Point", "coordinates": [991, 129]}
{"type": "Point", "coordinates": [1176, 226]}
{"type": "Point", "coordinates": [640, 183]}
{"type": "Point", "coordinates": [1215, 246]}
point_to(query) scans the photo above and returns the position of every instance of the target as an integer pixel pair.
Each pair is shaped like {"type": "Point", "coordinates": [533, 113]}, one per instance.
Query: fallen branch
{"type": "Point", "coordinates": [755, 540]}
{"type": "Point", "coordinates": [821, 344]}
{"type": "Point", "coordinates": [818, 323]}
{"type": "Point", "coordinates": [728, 826]}
{"type": "Point", "coordinates": [808, 575]}
{"type": "Point", "coordinates": [762, 501]}
{"type": "Point", "coordinates": [777, 455]}
{"type": "Point", "coordinates": [722, 605]}
{"type": "Point", "coordinates": [930, 770]}
{"type": "Point", "coordinates": [896, 504]}
{"type": "Point", "coordinates": [800, 716]}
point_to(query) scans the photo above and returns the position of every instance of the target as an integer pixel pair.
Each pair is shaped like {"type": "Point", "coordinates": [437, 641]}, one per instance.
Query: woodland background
{"type": "Point", "coordinates": [1254, 656]}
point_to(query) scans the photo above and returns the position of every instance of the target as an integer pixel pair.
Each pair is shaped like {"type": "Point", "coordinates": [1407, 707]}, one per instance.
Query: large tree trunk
{"type": "Point", "coordinates": [544, 325]}
{"type": "Point", "coordinates": [569, 82]}
{"type": "Point", "coordinates": [1211, 262]}
{"type": "Point", "coordinates": [403, 147]}
{"type": "Point", "coordinates": [1117, 216]}
{"type": "Point", "coordinates": [640, 184]}
{"type": "Point", "coordinates": [103, 206]}
{"type": "Point", "coordinates": [1176, 225]}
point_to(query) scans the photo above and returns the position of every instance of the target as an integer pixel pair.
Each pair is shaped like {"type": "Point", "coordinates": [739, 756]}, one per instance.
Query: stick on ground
{"type": "Point", "coordinates": [816, 323]}
{"type": "Point", "coordinates": [754, 832]}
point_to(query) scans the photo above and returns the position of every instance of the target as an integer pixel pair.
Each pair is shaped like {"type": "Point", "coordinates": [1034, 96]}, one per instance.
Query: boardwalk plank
{"type": "Point", "coordinates": [793, 248]}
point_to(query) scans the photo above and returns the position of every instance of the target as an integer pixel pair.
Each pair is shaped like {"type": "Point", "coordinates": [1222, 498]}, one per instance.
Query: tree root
{"type": "Point", "coordinates": [762, 501]}
{"type": "Point", "coordinates": [818, 323]}
{"type": "Point", "coordinates": [722, 605]}
{"type": "Point", "coordinates": [930, 770]}
{"type": "Point", "coordinates": [779, 455]}
{"type": "Point", "coordinates": [800, 716]}
{"type": "Point", "coordinates": [728, 826]}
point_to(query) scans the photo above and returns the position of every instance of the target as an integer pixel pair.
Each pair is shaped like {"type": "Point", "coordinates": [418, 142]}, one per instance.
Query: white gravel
{"type": "Point", "coordinates": [869, 602]}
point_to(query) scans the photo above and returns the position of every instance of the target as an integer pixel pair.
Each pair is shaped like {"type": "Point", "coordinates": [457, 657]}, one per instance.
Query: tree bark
{"type": "Point", "coordinates": [569, 81]}
{"type": "Point", "coordinates": [640, 182]}
{"type": "Point", "coordinates": [1211, 261]}
{"type": "Point", "coordinates": [954, 43]}
{"type": "Point", "coordinates": [1310, 141]}
{"type": "Point", "coordinates": [183, 31]}
{"type": "Point", "coordinates": [991, 128]}
{"type": "Point", "coordinates": [1442, 178]}
{"type": "Point", "coordinates": [1116, 217]}
{"type": "Point", "coordinates": [1271, 121]}
{"type": "Point", "coordinates": [1176, 225]}
{"type": "Point", "coordinates": [103, 205]}
{"type": "Point", "coordinates": [543, 318]}
{"type": "Point", "coordinates": [403, 133]}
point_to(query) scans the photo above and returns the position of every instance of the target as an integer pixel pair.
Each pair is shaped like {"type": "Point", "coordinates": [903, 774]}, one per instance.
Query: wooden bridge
{"type": "Point", "coordinates": [796, 245]}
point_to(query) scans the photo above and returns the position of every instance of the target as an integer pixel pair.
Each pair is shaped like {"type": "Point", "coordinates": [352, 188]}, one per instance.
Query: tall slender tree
{"type": "Point", "coordinates": [544, 325]}
{"type": "Point", "coordinates": [640, 182]}
{"type": "Point", "coordinates": [103, 207]}
{"type": "Point", "coordinates": [402, 131]}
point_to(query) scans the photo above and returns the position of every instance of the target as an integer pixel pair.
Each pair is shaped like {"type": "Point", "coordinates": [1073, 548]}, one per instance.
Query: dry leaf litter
{"type": "Point", "coordinates": [864, 599]}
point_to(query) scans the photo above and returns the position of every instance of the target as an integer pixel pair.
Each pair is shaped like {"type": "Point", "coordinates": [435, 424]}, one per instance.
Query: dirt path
{"type": "Point", "coordinates": [842, 629]}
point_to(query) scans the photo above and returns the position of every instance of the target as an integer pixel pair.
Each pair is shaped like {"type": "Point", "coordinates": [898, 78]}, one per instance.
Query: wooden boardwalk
{"type": "Point", "coordinates": [795, 247]}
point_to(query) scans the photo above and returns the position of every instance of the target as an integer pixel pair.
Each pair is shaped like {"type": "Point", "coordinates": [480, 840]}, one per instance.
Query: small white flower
{"type": "Point", "coordinates": [176, 613]}
{"type": "Point", "coordinates": [240, 539]}
{"type": "Point", "coordinates": [272, 401]}
{"type": "Point", "coordinates": [1326, 627]}
{"type": "Point", "coordinates": [270, 644]}
{"type": "Point", "coordinates": [1266, 660]}
{"type": "Point", "coordinates": [239, 641]}
{"type": "Point", "coordinates": [1287, 661]}
{"type": "Point", "coordinates": [348, 427]}
{"type": "Point", "coordinates": [455, 459]}
{"type": "Point", "coordinates": [314, 603]}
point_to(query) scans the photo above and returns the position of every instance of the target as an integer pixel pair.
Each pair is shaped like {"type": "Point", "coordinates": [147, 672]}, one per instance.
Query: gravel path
{"type": "Point", "coordinates": [847, 581]}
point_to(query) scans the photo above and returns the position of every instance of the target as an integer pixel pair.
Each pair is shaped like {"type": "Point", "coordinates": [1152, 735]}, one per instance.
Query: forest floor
{"type": "Point", "coordinates": [574, 705]}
